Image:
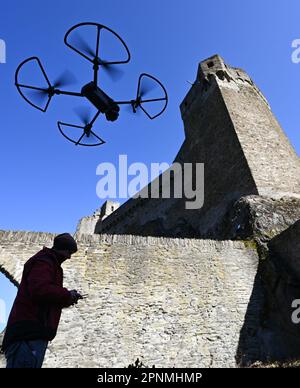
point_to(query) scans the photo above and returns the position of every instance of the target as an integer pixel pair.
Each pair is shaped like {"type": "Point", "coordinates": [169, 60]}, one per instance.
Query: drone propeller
{"type": "Point", "coordinates": [83, 46]}
{"type": "Point", "coordinates": [109, 68]}
{"type": "Point", "coordinates": [146, 84]}
{"type": "Point", "coordinates": [35, 95]}
{"type": "Point", "coordinates": [145, 88]}
{"type": "Point", "coordinates": [90, 141]}
{"type": "Point", "coordinates": [112, 70]}
{"type": "Point", "coordinates": [65, 79]}
{"type": "Point", "coordinates": [133, 108]}
{"type": "Point", "coordinates": [84, 113]}
{"type": "Point", "coordinates": [41, 94]}
{"type": "Point", "coordinates": [38, 95]}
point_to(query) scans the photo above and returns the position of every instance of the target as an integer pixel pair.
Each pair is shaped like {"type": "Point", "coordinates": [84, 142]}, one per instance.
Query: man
{"type": "Point", "coordinates": [36, 311]}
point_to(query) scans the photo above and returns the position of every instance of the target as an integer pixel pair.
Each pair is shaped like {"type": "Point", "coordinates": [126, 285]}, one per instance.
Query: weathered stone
{"type": "Point", "coordinates": [88, 224]}
{"type": "Point", "coordinates": [285, 250]}
{"type": "Point", "coordinates": [259, 217]}
{"type": "Point", "coordinates": [170, 302]}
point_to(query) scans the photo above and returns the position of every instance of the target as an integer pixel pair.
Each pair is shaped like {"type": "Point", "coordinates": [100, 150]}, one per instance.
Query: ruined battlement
{"type": "Point", "coordinates": [212, 73]}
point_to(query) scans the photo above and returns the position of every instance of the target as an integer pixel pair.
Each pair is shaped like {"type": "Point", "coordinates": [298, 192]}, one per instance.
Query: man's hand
{"type": "Point", "coordinates": [75, 296]}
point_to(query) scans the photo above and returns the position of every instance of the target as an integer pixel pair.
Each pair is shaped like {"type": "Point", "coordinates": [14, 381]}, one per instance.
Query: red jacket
{"type": "Point", "coordinates": [37, 308]}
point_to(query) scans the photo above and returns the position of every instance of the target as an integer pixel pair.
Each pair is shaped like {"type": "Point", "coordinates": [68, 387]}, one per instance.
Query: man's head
{"type": "Point", "coordinates": [64, 245]}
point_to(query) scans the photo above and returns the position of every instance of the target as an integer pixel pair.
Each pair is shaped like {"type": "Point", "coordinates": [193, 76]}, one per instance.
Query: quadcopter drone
{"type": "Point", "coordinates": [91, 91]}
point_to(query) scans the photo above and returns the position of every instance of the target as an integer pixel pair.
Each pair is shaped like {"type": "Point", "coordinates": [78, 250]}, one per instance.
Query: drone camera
{"type": "Point", "coordinates": [101, 101]}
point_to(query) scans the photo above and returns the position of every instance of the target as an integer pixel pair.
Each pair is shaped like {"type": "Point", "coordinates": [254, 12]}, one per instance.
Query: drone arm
{"type": "Point", "coordinates": [57, 91]}
{"type": "Point", "coordinates": [124, 102]}
{"type": "Point", "coordinates": [96, 69]}
{"type": "Point", "coordinates": [96, 64]}
{"type": "Point", "coordinates": [95, 118]}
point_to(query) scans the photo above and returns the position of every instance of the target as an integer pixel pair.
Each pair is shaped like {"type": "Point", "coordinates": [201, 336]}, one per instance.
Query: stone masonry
{"type": "Point", "coordinates": [169, 302]}
{"type": "Point", "coordinates": [88, 224]}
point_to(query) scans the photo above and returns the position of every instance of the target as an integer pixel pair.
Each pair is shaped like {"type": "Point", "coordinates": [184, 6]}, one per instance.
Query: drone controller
{"type": "Point", "coordinates": [92, 92]}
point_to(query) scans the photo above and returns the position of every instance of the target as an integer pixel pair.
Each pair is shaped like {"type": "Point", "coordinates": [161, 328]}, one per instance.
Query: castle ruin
{"type": "Point", "coordinates": [175, 287]}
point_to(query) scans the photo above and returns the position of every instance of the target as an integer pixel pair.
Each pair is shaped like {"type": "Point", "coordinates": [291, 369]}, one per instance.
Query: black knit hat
{"type": "Point", "coordinates": [65, 242]}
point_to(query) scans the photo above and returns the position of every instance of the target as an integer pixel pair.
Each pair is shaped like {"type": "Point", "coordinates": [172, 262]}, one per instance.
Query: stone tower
{"type": "Point", "coordinates": [229, 126]}
{"type": "Point", "coordinates": [227, 113]}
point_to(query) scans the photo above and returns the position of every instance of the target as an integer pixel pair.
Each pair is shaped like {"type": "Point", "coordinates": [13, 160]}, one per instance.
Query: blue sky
{"type": "Point", "coordinates": [47, 183]}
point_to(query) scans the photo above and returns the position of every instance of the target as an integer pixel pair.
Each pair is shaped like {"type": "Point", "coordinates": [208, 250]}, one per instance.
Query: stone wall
{"type": "Point", "coordinates": [86, 225]}
{"type": "Point", "coordinates": [169, 302]}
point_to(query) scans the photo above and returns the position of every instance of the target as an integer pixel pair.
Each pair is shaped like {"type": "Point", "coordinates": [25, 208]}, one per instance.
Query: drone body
{"type": "Point", "coordinates": [91, 91]}
{"type": "Point", "coordinates": [101, 101]}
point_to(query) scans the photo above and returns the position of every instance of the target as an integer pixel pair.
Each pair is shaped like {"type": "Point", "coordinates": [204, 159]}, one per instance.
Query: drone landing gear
{"type": "Point", "coordinates": [88, 137]}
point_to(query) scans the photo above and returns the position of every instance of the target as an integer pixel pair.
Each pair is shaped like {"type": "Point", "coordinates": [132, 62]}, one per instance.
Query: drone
{"type": "Point", "coordinates": [96, 96]}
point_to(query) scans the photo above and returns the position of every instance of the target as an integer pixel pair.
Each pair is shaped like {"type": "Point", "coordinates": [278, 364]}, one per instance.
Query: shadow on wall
{"type": "Point", "coordinates": [249, 347]}
{"type": "Point", "coordinates": [271, 330]}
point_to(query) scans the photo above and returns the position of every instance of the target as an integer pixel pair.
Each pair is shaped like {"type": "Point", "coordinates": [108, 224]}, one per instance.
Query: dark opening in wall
{"type": "Point", "coordinates": [221, 75]}
{"type": "Point", "coordinates": [210, 64]}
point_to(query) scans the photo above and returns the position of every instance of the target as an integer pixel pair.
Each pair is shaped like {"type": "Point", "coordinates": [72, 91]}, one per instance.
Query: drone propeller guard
{"type": "Point", "coordinates": [20, 85]}
{"type": "Point", "coordinates": [60, 125]}
{"type": "Point", "coordinates": [140, 102]}
{"type": "Point", "coordinates": [98, 46]}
